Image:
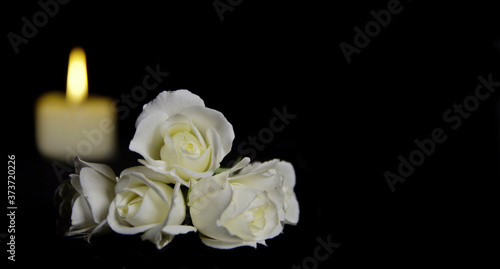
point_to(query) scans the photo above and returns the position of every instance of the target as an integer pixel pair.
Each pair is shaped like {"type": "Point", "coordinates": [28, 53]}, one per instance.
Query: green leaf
{"type": "Point", "coordinates": [220, 170]}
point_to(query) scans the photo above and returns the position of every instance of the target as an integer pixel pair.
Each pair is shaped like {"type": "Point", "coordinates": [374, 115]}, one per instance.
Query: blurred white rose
{"type": "Point", "coordinates": [145, 203]}
{"type": "Point", "coordinates": [86, 197]}
{"type": "Point", "coordinates": [181, 138]}
{"type": "Point", "coordinates": [234, 209]}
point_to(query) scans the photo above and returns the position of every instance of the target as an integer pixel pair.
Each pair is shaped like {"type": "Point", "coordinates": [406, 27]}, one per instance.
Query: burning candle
{"type": "Point", "coordinates": [71, 125]}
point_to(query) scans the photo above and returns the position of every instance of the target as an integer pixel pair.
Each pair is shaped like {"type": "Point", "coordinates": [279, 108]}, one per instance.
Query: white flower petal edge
{"type": "Point", "coordinates": [91, 190]}
{"type": "Point", "coordinates": [181, 138]}
{"type": "Point", "coordinates": [148, 140]}
{"type": "Point", "coordinates": [285, 169]}
{"type": "Point", "coordinates": [144, 203]}
{"type": "Point", "coordinates": [171, 103]}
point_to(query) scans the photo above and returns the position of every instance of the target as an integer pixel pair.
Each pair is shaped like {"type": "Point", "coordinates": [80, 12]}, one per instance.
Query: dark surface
{"type": "Point", "coordinates": [353, 121]}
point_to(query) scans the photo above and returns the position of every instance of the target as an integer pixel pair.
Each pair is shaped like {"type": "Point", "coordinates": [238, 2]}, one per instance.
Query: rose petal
{"type": "Point", "coordinates": [256, 174]}
{"type": "Point", "coordinates": [101, 228]}
{"type": "Point", "coordinates": [158, 238]}
{"type": "Point", "coordinates": [101, 168]}
{"type": "Point", "coordinates": [178, 229]}
{"type": "Point", "coordinates": [81, 216]}
{"type": "Point", "coordinates": [147, 173]}
{"type": "Point", "coordinates": [120, 227]}
{"type": "Point", "coordinates": [199, 164]}
{"type": "Point", "coordinates": [177, 212]}
{"type": "Point", "coordinates": [152, 210]}
{"type": "Point", "coordinates": [75, 182]}
{"type": "Point", "coordinates": [273, 223]}
{"type": "Point", "coordinates": [99, 192]}
{"type": "Point", "coordinates": [147, 140]}
{"type": "Point", "coordinates": [242, 199]}
{"type": "Point", "coordinates": [286, 170]}
{"type": "Point", "coordinates": [292, 208]}
{"type": "Point", "coordinates": [238, 215]}
{"type": "Point", "coordinates": [186, 174]}
{"type": "Point", "coordinates": [170, 103]}
{"type": "Point", "coordinates": [265, 178]}
{"type": "Point", "coordinates": [205, 186]}
{"type": "Point", "coordinates": [226, 244]}
{"type": "Point", "coordinates": [175, 124]}
{"type": "Point", "coordinates": [205, 118]}
{"type": "Point", "coordinates": [208, 199]}
{"type": "Point", "coordinates": [163, 233]}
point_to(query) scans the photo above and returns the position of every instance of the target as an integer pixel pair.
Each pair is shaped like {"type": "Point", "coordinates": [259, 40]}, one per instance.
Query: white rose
{"type": "Point", "coordinates": [144, 203]}
{"type": "Point", "coordinates": [242, 209]}
{"type": "Point", "coordinates": [89, 193]}
{"type": "Point", "coordinates": [255, 174]}
{"type": "Point", "coordinates": [181, 138]}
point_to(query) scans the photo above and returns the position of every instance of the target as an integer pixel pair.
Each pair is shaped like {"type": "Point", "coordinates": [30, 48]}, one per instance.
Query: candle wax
{"type": "Point", "coordinates": [65, 130]}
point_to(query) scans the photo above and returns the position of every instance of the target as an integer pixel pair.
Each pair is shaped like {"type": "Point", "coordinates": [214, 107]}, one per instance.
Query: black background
{"type": "Point", "coordinates": [353, 121]}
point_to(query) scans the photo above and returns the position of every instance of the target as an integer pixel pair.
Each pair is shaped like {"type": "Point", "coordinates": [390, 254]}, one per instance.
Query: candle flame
{"type": "Point", "coordinates": [77, 86]}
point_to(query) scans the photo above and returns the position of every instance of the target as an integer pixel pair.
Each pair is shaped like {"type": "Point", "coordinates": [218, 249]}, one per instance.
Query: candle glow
{"type": "Point", "coordinates": [75, 124]}
{"type": "Point", "coordinates": [77, 85]}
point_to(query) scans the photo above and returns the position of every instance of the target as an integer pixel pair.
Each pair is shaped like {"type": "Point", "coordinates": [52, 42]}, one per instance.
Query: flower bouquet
{"type": "Point", "coordinates": [179, 186]}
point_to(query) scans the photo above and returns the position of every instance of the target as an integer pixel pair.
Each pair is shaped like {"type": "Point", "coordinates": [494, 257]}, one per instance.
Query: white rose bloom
{"type": "Point", "coordinates": [144, 203]}
{"type": "Point", "coordinates": [181, 138]}
{"type": "Point", "coordinates": [90, 191]}
{"type": "Point", "coordinates": [255, 174]}
{"type": "Point", "coordinates": [242, 209]}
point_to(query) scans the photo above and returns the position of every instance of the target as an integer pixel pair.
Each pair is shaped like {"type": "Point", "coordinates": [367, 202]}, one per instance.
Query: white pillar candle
{"type": "Point", "coordinates": [72, 125]}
